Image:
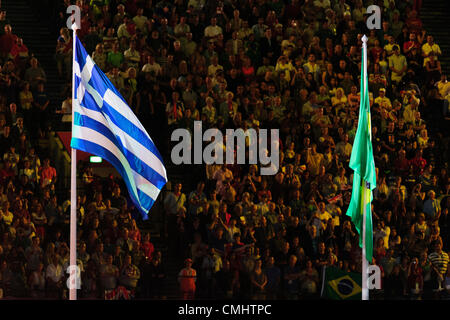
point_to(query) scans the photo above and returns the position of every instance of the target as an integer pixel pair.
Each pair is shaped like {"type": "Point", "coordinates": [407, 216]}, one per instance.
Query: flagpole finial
{"type": "Point", "coordinates": [364, 38]}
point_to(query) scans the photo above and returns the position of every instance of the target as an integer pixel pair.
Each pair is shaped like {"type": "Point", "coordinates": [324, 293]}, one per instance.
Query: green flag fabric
{"type": "Point", "coordinates": [340, 285]}
{"type": "Point", "coordinates": [363, 165]}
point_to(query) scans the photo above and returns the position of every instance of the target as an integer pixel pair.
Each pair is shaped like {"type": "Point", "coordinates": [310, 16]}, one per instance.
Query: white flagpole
{"type": "Point", "coordinates": [73, 186]}
{"type": "Point", "coordinates": [365, 290]}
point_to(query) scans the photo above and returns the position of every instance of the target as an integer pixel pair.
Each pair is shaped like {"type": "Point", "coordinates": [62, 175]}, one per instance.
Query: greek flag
{"type": "Point", "coordinates": [104, 125]}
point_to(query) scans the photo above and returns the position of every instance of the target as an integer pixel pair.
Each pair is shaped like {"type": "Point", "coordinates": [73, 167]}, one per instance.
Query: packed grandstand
{"type": "Point", "coordinates": [292, 65]}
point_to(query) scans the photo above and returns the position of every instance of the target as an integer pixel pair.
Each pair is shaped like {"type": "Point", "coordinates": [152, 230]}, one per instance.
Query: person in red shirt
{"type": "Point", "coordinates": [147, 246]}
{"type": "Point", "coordinates": [418, 162]}
{"type": "Point", "coordinates": [409, 45]}
{"type": "Point", "coordinates": [134, 232]}
{"type": "Point", "coordinates": [402, 164]}
{"type": "Point", "coordinates": [7, 41]}
{"type": "Point", "coordinates": [7, 171]}
{"type": "Point", "coordinates": [415, 277]}
{"type": "Point", "coordinates": [187, 278]}
{"type": "Point", "coordinates": [19, 211]}
{"type": "Point", "coordinates": [131, 27]}
{"type": "Point", "coordinates": [414, 23]}
{"type": "Point", "coordinates": [248, 71]}
{"type": "Point", "coordinates": [84, 28]}
{"type": "Point", "coordinates": [19, 52]}
{"type": "Point", "coordinates": [264, 191]}
{"type": "Point", "coordinates": [47, 173]}
{"type": "Point", "coordinates": [376, 51]}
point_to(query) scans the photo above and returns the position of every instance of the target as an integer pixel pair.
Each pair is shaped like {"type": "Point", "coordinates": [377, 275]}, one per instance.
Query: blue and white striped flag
{"type": "Point", "coordinates": [104, 125]}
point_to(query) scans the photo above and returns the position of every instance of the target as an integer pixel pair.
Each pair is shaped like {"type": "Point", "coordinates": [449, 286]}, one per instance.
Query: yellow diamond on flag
{"type": "Point", "coordinates": [345, 287]}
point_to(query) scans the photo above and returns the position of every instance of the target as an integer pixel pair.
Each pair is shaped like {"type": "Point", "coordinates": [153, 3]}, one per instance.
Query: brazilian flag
{"type": "Point", "coordinates": [363, 165]}
{"type": "Point", "coordinates": [340, 285]}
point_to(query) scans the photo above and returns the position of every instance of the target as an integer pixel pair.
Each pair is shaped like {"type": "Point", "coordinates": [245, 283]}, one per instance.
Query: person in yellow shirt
{"type": "Point", "coordinates": [244, 31]}
{"type": "Point", "coordinates": [390, 46]}
{"type": "Point", "coordinates": [353, 97]}
{"type": "Point", "coordinates": [443, 86]}
{"type": "Point", "coordinates": [409, 113]}
{"type": "Point", "coordinates": [141, 21]}
{"type": "Point", "coordinates": [26, 100]}
{"type": "Point", "coordinates": [339, 100]}
{"type": "Point", "coordinates": [314, 160]}
{"type": "Point", "coordinates": [359, 12]}
{"type": "Point", "coordinates": [382, 100]}
{"type": "Point", "coordinates": [422, 139]}
{"type": "Point", "coordinates": [429, 47]}
{"type": "Point", "coordinates": [398, 65]}
{"type": "Point", "coordinates": [312, 67]}
{"type": "Point", "coordinates": [209, 111]}
{"type": "Point", "coordinates": [214, 66]}
{"type": "Point", "coordinates": [285, 65]}
{"type": "Point", "coordinates": [344, 148]}
{"type": "Point", "coordinates": [5, 214]}
{"type": "Point", "coordinates": [323, 214]}
{"type": "Point", "coordinates": [286, 43]}
{"type": "Point", "coordinates": [213, 30]}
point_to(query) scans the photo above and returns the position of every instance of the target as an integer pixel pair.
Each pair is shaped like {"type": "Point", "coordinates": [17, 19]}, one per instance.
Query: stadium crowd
{"type": "Point", "coordinates": [288, 65]}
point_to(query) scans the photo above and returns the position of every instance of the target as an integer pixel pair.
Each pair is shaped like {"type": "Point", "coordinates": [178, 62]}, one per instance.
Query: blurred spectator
{"type": "Point", "coordinates": [187, 278]}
